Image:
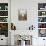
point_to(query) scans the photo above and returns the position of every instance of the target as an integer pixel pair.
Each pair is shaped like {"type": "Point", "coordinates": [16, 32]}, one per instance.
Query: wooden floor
{"type": "Point", "coordinates": [3, 45]}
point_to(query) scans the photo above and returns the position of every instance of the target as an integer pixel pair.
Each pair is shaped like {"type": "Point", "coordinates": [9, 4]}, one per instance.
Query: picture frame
{"type": "Point", "coordinates": [42, 33]}
{"type": "Point", "coordinates": [22, 14]}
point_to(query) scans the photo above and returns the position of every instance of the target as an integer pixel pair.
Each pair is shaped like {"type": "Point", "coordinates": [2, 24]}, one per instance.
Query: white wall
{"type": "Point", "coordinates": [32, 14]}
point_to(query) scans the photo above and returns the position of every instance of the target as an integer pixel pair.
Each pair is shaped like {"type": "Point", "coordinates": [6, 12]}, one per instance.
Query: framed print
{"type": "Point", "coordinates": [22, 14]}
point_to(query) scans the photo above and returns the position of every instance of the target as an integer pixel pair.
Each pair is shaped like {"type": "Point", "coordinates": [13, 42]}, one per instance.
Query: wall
{"type": "Point", "coordinates": [32, 14]}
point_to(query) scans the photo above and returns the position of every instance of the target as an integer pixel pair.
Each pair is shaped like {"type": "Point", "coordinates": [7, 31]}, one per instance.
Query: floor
{"type": "Point", "coordinates": [3, 45]}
